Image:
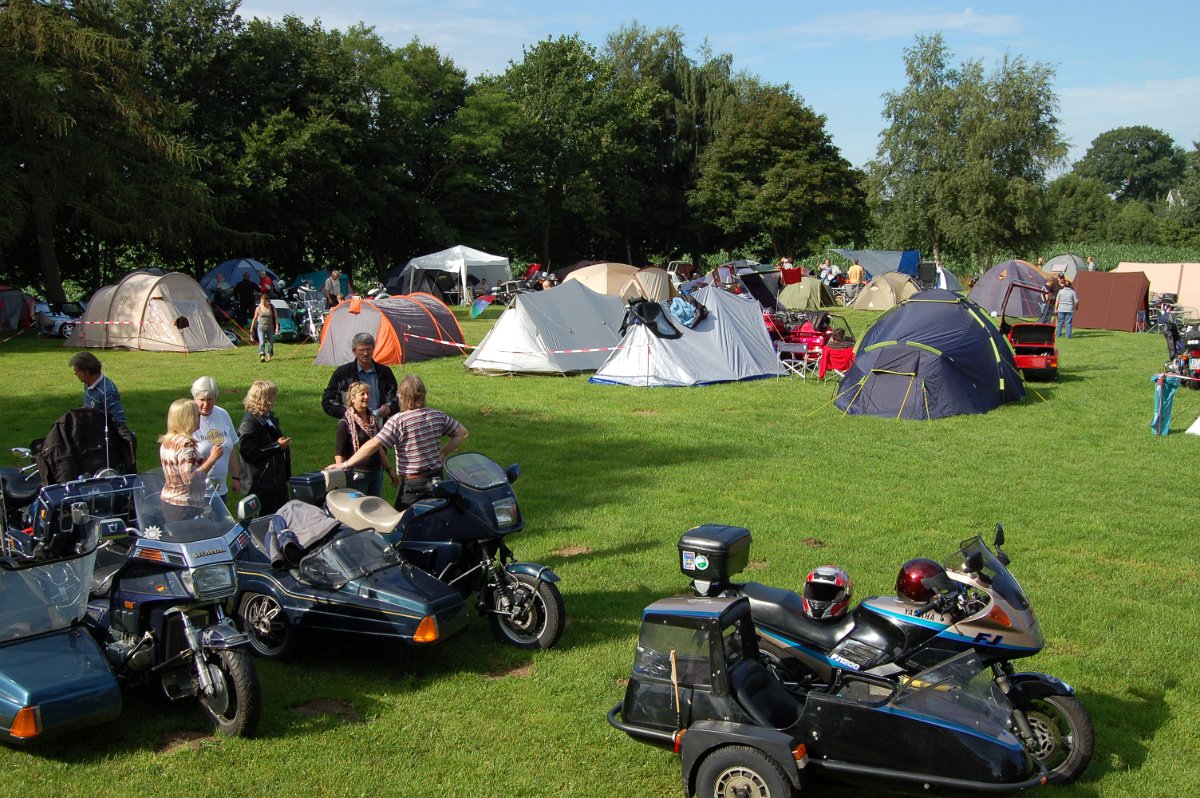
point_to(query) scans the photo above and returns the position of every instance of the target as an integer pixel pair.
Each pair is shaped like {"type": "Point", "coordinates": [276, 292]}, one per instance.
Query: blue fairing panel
{"type": "Point", "coordinates": [65, 675]}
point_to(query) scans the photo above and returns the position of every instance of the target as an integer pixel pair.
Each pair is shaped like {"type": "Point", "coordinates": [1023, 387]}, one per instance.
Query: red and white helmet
{"type": "Point", "coordinates": [827, 591]}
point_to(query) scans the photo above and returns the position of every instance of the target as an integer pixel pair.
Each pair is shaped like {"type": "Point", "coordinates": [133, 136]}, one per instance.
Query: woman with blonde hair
{"type": "Point", "coordinates": [184, 471]}
{"type": "Point", "coordinates": [356, 428]}
{"type": "Point", "coordinates": [266, 450]}
{"type": "Point", "coordinates": [416, 434]}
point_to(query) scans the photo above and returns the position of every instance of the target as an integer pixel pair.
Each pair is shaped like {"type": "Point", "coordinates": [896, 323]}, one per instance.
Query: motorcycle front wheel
{"type": "Point", "coordinates": [527, 612]}
{"type": "Point", "coordinates": [1063, 737]}
{"type": "Point", "coordinates": [234, 706]}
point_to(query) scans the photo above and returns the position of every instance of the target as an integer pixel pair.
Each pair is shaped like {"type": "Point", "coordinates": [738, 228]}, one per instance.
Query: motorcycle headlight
{"type": "Point", "coordinates": [506, 512]}
{"type": "Point", "coordinates": [210, 581]}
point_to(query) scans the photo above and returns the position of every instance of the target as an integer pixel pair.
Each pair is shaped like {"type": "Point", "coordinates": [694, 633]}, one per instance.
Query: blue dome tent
{"type": "Point", "coordinates": [934, 355]}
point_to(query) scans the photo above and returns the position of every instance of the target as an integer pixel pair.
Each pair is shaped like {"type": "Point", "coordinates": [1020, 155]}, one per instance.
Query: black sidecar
{"type": "Point", "coordinates": [698, 687]}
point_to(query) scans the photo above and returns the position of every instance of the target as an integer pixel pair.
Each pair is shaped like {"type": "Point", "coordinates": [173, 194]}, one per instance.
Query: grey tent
{"type": "Point", "coordinates": [1068, 264]}
{"type": "Point", "coordinates": [878, 261]}
{"type": "Point", "coordinates": [730, 343]}
{"type": "Point", "coordinates": [990, 290]}
{"type": "Point", "coordinates": [565, 330]}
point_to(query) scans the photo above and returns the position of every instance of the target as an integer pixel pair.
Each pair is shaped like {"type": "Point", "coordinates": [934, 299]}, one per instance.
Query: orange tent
{"type": "Point", "coordinates": [407, 329]}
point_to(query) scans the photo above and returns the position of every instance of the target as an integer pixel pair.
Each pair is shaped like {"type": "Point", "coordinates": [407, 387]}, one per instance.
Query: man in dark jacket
{"type": "Point", "coordinates": [384, 400]}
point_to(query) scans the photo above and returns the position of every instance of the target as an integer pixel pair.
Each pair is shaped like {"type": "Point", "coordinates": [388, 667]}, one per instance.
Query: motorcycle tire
{"type": "Point", "coordinates": [236, 704]}
{"type": "Point", "coordinates": [261, 616]}
{"type": "Point", "coordinates": [1064, 736]}
{"type": "Point", "coordinates": [739, 771]}
{"type": "Point", "coordinates": [540, 626]}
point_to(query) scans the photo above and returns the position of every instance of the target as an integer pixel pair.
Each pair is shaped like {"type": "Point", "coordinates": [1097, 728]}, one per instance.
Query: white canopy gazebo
{"type": "Point", "coordinates": [464, 262]}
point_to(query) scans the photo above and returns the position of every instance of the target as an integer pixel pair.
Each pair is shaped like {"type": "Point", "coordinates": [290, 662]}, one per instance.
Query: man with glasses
{"type": "Point", "coordinates": [383, 401]}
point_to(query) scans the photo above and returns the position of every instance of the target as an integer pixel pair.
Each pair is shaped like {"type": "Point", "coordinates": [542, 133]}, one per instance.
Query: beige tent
{"type": "Point", "coordinates": [885, 291]}
{"type": "Point", "coordinates": [151, 311]}
{"type": "Point", "coordinates": [650, 283]}
{"type": "Point", "coordinates": [604, 278]}
{"type": "Point", "coordinates": [1181, 279]}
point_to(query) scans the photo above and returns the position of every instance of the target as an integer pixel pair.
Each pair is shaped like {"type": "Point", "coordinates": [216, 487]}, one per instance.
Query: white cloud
{"type": "Point", "coordinates": [1172, 106]}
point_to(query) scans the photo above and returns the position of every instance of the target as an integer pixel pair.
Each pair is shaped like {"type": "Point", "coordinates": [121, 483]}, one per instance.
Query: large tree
{"type": "Point", "coordinates": [963, 160]}
{"type": "Point", "coordinates": [1079, 208]}
{"type": "Point", "coordinates": [84, 142]}
{"type": "Point", "coordinates": [772, 168]}
{"type": "Point", "coordinates": [1134, 163]}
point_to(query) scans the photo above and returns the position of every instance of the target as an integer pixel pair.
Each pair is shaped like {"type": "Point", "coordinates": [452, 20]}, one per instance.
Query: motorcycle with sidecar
{"type": "Point", "coordinates": [970, 603]}
{"type": "Point", "coordinates": [698, 688]}
{"type": "Point", "coordinates": [458, 536]}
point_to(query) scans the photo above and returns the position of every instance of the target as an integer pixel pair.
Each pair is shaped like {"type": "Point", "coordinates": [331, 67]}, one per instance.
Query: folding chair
{"type": "Point", "coordinates": [837, 360]}
{"type": "Point", "coordinates": [793, 359]}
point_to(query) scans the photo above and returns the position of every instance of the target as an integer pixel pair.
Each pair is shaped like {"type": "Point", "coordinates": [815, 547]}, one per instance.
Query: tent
{"type": "Point", "coordinates": [990, 289]}
{"type": "Point", "coordinates": [1112, 301]}
{"type": "Point", "coordinates": [1068, 264]}
{"type": "Point", "coordinates": [808, 294]}
{"type": "Point", "coordinates": [561, 274]}
{"type": "Point", "coordinates": [947, 280]}
{"type": "Point", "coordinates": [407, 329]}
{"type": "Point", "coordinates": [932, 356]}
{"type": "Point", "coordinates": [468, 266]}
{"type": "Point", "coordinates": [231, 272]}
{"type": "Point", "coordinates": [650, 283]}
{"type": "Point", "coordinates": [730, 343]}
{"type": "Point", "coordinates": [566, 330]}
{"type": "Point", "coordinates": [603, 278]}
{"type": "Point", "coordinates": [16, 308]}
{"type": "Point", "coordinates": [149, 311]}
{"type": "Point", "coordinates": [877, 261]}
{"type": "Point", "coordinates": [885, 291]}
{"type": "Point", "coordinates": [1180, 279]}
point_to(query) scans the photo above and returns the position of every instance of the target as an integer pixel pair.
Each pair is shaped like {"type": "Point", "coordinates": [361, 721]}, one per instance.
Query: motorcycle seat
{"type": "Point", "coordinates": [19, 491]}
{"type": "Point", "coordinates": [762, 695]}
{"type": "Point", "coordinates": [783, 610]}
{"type": "Point", "coordinates": [359, 511]}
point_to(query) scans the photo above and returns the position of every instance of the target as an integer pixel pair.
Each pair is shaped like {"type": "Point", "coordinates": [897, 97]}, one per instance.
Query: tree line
{"type": "Point", "coordinates": [177, 133]}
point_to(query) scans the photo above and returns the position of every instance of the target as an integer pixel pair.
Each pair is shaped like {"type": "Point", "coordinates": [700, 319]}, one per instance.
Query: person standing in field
{"type": "Point", "coordinates": [184, 470]}
{"type": "Point", "coordinates": [99, 391]}
{"type": "Point", "coordinates": [1065, 304]}
{"type": "Point", "coordinates": [216, 429]}
{"type": "Point", "coordinates": [266, 450]}
{"type": "Point", "coordinates": [266, 324]}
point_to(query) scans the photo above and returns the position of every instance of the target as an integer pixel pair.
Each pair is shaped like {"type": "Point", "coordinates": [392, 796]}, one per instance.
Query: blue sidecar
{"type": "Point", "coordinates": [347, 581]}
{"type": "Point", "coordinates": [54, 678]}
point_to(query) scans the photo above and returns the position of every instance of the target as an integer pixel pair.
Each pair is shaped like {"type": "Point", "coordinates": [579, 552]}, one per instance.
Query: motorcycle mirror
{"type": "Point", "coordinates": [512, 472]}
{"type": "Point", "coordinates": [999, 539]}
{"type": "Point", "coordinates": [22, 452]}
{"type": "Point", "coordinates": [79, 512]}
{"type": "Point", "coordinates": [248, 508]}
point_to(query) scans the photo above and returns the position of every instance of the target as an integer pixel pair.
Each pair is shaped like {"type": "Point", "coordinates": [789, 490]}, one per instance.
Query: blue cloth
{"type": "Point", "coordinates": [104, 396]}
{"type": "Point", "coordinates": [683, 310]}
{"type": "Point", "coordinates": [1165, 386]}
{"type": "Point", "coordinates": [372, 381]}
{"type": "Point", "coordinates": [1064, 324]}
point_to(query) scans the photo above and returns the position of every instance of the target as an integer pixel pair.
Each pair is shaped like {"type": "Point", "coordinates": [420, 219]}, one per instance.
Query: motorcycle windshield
{"type": "Point", "coordinates": [959, 691]}
{"type": "Point", "coordinates": [206, 516]}
{"type": "Point", "coordinates": [38, 598]}
{"type": "Point", "coordinates": [347, 557]}
{"type": "Point", "coordinates": [475, 470]}
{"type": "Point", "coordinates": [991, 569]}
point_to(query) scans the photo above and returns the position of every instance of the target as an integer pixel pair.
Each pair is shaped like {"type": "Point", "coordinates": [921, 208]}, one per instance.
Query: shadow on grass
{"type": "Point", "coordinates": [1125, 728]}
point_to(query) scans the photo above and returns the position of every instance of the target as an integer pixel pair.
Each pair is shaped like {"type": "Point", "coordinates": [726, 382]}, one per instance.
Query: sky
{"type": "Point", "coordinates": [1116, 64]}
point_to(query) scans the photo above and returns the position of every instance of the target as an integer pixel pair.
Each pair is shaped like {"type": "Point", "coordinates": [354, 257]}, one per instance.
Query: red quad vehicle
{"type": "Point", "coordinates": [1032, 341]}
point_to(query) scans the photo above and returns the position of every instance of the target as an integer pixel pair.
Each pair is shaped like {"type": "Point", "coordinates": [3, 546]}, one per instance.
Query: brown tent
{"type": "Point", "coordinates": [1111, 300]}
{"type": "Point", "coordinates": [149, 311]}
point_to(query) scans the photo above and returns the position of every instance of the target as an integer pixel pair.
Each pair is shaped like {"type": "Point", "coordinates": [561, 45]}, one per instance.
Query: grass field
{"type": "Point", "coordinates": [1099, 515]}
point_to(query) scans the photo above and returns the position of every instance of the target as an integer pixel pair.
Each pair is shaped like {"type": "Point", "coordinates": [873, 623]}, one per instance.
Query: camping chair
{"type": "Point", "coordinates": [837, 360]}
{"type": "Point", "coordinates": [794, 360]}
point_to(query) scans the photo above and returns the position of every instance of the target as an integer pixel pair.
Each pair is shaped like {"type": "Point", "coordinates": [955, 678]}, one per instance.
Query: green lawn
{"type": "Point", "coordinates": [1097, 512]}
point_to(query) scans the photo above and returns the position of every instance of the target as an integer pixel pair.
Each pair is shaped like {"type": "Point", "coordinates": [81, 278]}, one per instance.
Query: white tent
{"type": "Point", "coordinates": [544, 331]}
{"type": "Point", "coordinates": [465, 263]}
{"type": "Point", "coordinates": [730, 343]}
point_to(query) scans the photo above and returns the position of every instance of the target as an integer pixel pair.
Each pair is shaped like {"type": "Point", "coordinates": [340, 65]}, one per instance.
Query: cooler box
{"type": "Point", "coordinates": [714, 552]}
{"type": "Point", "coordinates": [309, 487]}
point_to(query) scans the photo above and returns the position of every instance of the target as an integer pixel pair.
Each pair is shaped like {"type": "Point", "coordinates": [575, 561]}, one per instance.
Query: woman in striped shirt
{"type": "Point", "coordinates": [184, 471]}
{"type": "Point", "coordinates": [416, 434]}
